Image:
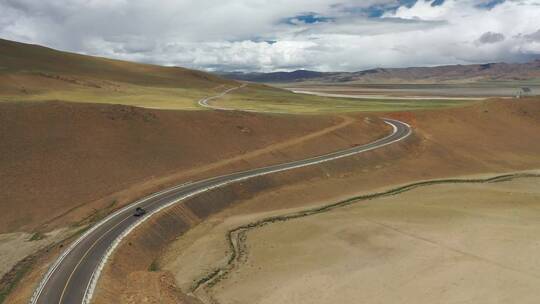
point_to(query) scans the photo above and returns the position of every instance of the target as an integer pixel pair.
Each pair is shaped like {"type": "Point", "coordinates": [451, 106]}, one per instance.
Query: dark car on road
{"type": "Point", "coordinates": [139, 211]}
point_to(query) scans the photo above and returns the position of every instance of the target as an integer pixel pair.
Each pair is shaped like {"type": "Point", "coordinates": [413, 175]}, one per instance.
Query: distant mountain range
{"type": "Point", "coordinates": [440, 74]}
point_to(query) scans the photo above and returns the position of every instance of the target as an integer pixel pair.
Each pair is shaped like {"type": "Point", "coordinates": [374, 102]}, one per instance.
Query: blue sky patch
{"type": "Point", "coordinates": [407, 3]}
{"type": "Point", "coordinates": [437, 3]}
{"type": "Point", "coordinates": [308, 18]}
{"type": "Point", "coordinates": [489, 4]}
{"type": "Point", "coordinates": [378, 10]}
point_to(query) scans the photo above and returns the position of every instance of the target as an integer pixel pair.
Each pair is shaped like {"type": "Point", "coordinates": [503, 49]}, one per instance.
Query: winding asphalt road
{"type": "Point", "coordinates": [204, 102]}
{"type": "Point", "coordinates": [72, 278]}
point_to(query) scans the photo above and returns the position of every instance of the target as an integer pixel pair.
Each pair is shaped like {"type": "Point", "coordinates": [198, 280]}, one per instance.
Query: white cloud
{"type": "Point", "coordinates": [232, 34]}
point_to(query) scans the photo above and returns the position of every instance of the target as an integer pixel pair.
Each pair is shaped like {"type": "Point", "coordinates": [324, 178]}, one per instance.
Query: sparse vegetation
{"type": "Point", "coordinates": [10, 280]}
{"type": "Point", "coordinates": [153, 266]}
{"type": "Point", "coordinates": [148, 97]}
{"type": "Point", "coordinates": [97, 215]}
{"type": "Point", "coordinates": [37, 236]}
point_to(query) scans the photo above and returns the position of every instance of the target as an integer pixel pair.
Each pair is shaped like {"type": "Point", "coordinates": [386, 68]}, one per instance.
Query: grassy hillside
{"type": "Point", "coordinates": [35, 73]}
{"type": "Point", "coordinates": [37, 60]}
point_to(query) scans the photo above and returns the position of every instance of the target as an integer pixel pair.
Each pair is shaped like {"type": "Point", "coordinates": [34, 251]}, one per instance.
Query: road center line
{"type": "Point", "coordinates": [84, 256]}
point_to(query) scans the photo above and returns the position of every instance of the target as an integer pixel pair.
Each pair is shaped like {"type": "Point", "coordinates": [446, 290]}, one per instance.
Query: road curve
{"type": "Point", "coordinates": [204, 101]}
{"type": "Point", "coordinates": [73, 276]}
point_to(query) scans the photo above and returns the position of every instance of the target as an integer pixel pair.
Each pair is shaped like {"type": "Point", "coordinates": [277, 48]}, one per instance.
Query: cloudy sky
{"type": "Point", "coordinates": [270, 35]}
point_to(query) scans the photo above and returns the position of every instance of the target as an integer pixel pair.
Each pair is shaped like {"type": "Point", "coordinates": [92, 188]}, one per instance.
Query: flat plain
{"type": "Point", "coordinates": [449, 243]}
{"type": "Point", "coordinates": [443, 244]}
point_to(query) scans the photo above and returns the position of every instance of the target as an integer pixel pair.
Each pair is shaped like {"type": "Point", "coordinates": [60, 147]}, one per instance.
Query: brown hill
{"type": "Point", "coordinates": [34, 60]}
{"type": "Point", "coordinates": [36, 73]}
{"type": "Point", "coordinates": [57, 157]}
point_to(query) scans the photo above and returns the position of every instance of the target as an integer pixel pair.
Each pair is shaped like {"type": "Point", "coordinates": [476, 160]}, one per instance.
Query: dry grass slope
{"type": "Point", "coordinates": [36, 73]}
{"type": "Point", "coordinates": [40, 61]}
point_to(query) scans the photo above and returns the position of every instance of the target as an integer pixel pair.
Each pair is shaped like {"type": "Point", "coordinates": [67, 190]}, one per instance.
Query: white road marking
{"type": "Point", "coordinates": [84, 256]}
{"type": "Point", "coordinates": [204, 101]}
